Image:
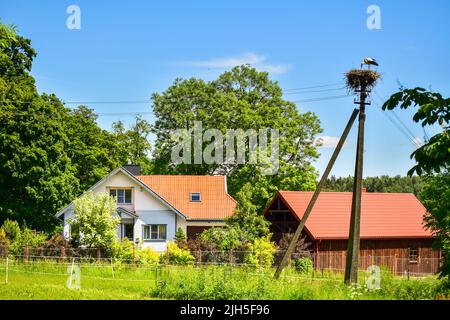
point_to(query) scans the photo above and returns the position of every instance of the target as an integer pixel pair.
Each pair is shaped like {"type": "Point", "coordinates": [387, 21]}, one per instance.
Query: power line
{"type": "Point", "coordinates": [322, 98]}
{"type": "Point", "coordinates": [313, 87]}
{"type": "Point", "coordinates": [397, 126]}
{"type": "Point", "coordinates": [313, 91]}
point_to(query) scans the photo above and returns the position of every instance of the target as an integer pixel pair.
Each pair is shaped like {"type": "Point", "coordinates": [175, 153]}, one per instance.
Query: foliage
{"type": "Point", "coordinates": [303, 264]}
{"type": "Point", "coordinates": [148, 256]}
{"type": "Point", "coordinates": [436, 195]}
{"type": "Point", "coordinates": [301, 249]}
{"type": "Point", "coordinates": [225, 238]}
{"type": "Point", "coordinates": [11, 230]}
{"type": "Point", "coordinates": [242, 98]}
{"type": "Point", "coordinates": [433, 156]}
{"type": "Point", "coordinates": [397, 184]}
{"type": "Point", "coordinates": [177, 255]}
{"type": "Point", "coordinates": [133, 144]}
{"type": "Point", "coordinates": [93, 217]}
{"type": "Point", "coordinates": [261, 252]}
{"type": "Point", "coordinates": [180, 236]}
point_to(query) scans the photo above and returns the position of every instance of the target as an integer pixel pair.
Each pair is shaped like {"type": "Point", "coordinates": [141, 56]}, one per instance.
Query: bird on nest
{"type": "Point", "coordinates": [369, 61]}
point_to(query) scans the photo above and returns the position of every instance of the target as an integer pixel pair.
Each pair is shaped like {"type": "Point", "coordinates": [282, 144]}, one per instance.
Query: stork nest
{"type": "Point", "coordinates": [357, 78]}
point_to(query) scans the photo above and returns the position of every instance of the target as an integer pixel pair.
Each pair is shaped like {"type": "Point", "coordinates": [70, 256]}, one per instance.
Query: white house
{"type": "Point", "coordinates": [153, 207]}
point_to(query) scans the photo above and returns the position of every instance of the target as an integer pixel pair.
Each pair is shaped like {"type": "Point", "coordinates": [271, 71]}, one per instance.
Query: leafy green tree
{"type": "Point", "coordinates": [242, 98]}
{"type": "Point", "coordinates": [436, 195]}
{"type": "Point", "coordinates": [397, 184]}
{"type": "Point", "coordinates": [93, 218]}
{"type": "Point", "coordinates": [433, 160]}
{"type": "Point", "coordinates": [36, 175]}
{"type": "Point", "coordinates": [93, 151]}
{"type": "Point", "coordinates": [249, 223]}
{"type": "Point", "coordinates": [433, 156]}
{"type": "Point", "coordinates": [134, 143]}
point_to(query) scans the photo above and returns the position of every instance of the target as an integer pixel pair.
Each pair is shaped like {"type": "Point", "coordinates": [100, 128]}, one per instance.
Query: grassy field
{"type": "Point", "coordinates": [46, 280]}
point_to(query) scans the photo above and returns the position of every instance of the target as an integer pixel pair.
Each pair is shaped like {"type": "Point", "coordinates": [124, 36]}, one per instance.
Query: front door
{"type": "Point", "coordinates": [128, 231]}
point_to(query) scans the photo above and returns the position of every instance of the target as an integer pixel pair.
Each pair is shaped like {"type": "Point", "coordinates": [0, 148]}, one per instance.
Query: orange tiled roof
{"type": "Point", "coordinates": [383, 215]}
{"type": "Point", "coordinates": [216, 203]}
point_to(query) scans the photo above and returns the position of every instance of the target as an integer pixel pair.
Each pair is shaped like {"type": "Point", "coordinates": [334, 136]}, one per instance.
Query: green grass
{"type": "Point", "coordinates": [48, 280]}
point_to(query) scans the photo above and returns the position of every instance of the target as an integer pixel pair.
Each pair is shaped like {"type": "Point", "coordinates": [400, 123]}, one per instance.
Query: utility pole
{"type": "Point", "coordinates": [322, 181]}
{"type": "Point", "coordinates": [352, 261]}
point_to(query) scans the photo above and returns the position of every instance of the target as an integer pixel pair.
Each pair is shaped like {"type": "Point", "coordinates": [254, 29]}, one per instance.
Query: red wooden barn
{"type": "Point", "coordinates": [392, 231]}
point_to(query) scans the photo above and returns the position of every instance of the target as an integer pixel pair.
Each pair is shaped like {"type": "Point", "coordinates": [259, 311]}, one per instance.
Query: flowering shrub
{"type": "Point", "coordinates": [261, 252]}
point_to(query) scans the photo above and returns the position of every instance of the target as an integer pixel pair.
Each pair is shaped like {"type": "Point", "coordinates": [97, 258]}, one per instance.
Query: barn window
{"type": "Point", "coordinates": [195, 197]}
{"type": "Point", "coordinates": [413, 255]}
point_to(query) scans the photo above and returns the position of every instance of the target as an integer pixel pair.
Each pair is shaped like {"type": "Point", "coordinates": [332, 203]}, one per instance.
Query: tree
{"type": "Point", "coordinates": [93, 218]}
{"type": "Point", "coordinates": [246, 219]}
{"type": "Point", "coordinates": [436, 195]}
{"type": "Point", "coordinates": [433, 160]}
{"type": "Point", "coordinates": [433, 156]}
{"type": "Point", "coordinates": [36, 176]}
{"type": "Point", "coordinates": [398, 184]}
{"type": "Point", "coordinates": [134, 143]}
{"type": "Point", "coordinates": [93, 151]}
{"type": "Point", "coordinates": [245, 99]}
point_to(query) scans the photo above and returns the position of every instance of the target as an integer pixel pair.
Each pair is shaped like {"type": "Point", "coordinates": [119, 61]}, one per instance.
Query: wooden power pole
{"type": "Point", "coordinates": [352, 261]}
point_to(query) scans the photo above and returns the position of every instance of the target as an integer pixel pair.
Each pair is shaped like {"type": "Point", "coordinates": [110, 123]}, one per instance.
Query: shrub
{"type": "Point", "coordinates": [4, 241]}
{"type": "Point", "coordinates": [180, 236]}
{"type": "Point", "coordinates": [304, 264]}
{"type": "Point", "coordinates": [11, 229]}
{"type": "Point", "coordinates": [226, 238]}
{"type": "Point", "coordinates": [177, 255]}
{"type": "Point", "coordinates": [261, 252]}
{"type": "Point", "coordinates": [122, 250]}
{"type": "Point", "coordinates": [148, 256]}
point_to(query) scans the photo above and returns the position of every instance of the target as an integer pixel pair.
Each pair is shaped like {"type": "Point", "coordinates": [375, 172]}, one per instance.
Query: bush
{"type": "Point", "coordinates": [304, 264]}
{"type": "Point", "coordinates": [261, 252]}
{"type": "Point", "coordinates": [11, 229]}
{"type": "Point", "coordinates": [122, 250]}
{"type": "Point", "coordinates": [148, 256]}
{"type": "Point", "coordinates": [180, 236]}
{"type": "Point", "coordinates": [177, 255]}
{"type": "Point", "coordinates": [226, 238]}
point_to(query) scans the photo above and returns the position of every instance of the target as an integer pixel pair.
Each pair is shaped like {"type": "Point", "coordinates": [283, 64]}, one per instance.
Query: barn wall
{"type": "Point", "coordinates": [391, 254]}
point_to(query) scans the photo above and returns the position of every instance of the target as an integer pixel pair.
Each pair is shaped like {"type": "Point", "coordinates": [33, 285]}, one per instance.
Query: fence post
{"type": "Point", "coordinates": [26, 251]}
{"type": "Point", "coordinates": [112, 267]}
{"type": "Point", "coordinates": [134, 254]}
{"type": "Point", "coordinates": [167, 255]}
{"type": "Point", "coordinates": [230, 257]}
{"type": "Point", "coordinates": [7, 269]}
{"type": "Point", "coordinates": [99, 254]}
{"type": "Point", "coordinates": [395, 264]}
{"type": "Point", "coordinates": [63, 253]}
{"type": "Point", "coordinates": [199, 258]}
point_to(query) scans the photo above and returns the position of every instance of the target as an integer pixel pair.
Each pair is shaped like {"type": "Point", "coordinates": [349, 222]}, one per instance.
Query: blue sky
{"type": "Point", "coordinates": [128, 50]}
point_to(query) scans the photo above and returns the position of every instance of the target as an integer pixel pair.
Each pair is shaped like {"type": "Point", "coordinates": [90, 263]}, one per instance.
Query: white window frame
{"type": "Point", "coordinates": [150, 232]}
{"type": "Point", "coordinates": [116, 190]}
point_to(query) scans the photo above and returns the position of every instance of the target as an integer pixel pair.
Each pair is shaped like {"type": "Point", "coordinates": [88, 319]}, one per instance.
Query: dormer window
{"type": "Point", "coordinates": [123, 196]}
{"type": "Point", "coordinates": [195, 197]}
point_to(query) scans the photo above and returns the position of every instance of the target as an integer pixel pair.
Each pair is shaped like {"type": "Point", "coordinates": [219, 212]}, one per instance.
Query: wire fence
{"type": "Point", "coordinates": [323, 262]}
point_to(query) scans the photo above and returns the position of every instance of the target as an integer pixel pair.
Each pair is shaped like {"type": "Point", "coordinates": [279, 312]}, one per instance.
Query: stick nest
{"type": "Point", "coordinates": [357, 78]}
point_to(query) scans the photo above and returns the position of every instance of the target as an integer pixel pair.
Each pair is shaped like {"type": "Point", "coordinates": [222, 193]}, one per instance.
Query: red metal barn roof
{"type": "Point", "coordinates": [383, 215]}
{"type": "Point", "coordinates": [215, 204]}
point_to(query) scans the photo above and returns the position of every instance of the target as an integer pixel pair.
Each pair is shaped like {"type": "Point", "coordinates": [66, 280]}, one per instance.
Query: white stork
{"type": "Point", "coordinates": [369, 61]}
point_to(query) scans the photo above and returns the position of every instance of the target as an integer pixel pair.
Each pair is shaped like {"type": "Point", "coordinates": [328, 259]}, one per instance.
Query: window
{"type": "Point", "coordinates": [123, 195]}
{"type": "Point", "coordinates": [154, 232]}
{"type": "Point", "coordinates": [195, 197]}
{"type": "Point", "coordinates": [413, 255]}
